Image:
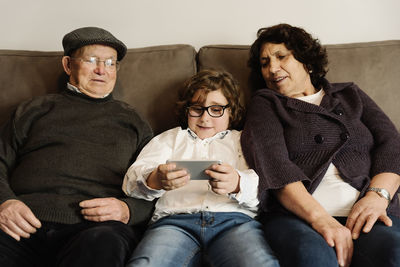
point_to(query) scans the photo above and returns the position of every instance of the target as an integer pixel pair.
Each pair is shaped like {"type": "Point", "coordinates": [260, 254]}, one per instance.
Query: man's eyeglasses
{"type": "Point", "coordinates": [214, 111]}
{"type": "Point", "coordinates": [109, 63]}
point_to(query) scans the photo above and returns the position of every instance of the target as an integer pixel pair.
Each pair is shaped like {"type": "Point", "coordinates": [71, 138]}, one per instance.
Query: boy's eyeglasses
{"type": "Point", "coordinates": [214, 111]}
{"type": "Point", "coordinates": [109, 63]}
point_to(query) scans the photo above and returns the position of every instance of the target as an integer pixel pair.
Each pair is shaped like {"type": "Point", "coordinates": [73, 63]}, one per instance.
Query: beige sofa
{"type": "Point", "coordinates": [150, 77]}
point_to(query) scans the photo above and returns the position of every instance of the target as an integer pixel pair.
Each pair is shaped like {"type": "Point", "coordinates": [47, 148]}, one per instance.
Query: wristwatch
{"type": "Point", "coordinates": [382, 192]}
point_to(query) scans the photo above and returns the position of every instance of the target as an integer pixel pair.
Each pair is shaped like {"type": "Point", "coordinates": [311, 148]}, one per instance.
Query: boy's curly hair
{"type": "Point", "coordinates": [207, 81]}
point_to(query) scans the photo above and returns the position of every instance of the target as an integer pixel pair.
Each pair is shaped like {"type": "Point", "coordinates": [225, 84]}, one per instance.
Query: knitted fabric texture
{"type": "Point", "coordinates": [287, 140]}
{"type": "Point", "coordinates": [60, 149]}
{"type": "Point", "coordinates": [92, 35]}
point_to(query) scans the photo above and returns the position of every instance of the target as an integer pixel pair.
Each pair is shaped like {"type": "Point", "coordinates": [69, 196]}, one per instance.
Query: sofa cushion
{"type": "Point", "coordinates": [25, 74]}
{"type": "Point", "coordinates": [149, 79]}
{"type": "Point", "coordinates": [231, 58]}
{"type": "Point", "coordinates": [373, 66]}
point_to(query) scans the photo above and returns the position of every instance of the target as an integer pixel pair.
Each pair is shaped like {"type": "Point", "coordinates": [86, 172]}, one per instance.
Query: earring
{"type": "Point", "coordinates": [310, 71]}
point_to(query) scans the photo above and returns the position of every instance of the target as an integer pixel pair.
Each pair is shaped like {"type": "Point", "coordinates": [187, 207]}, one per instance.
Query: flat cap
{"type": "Point", "coordinates": [91, 35]}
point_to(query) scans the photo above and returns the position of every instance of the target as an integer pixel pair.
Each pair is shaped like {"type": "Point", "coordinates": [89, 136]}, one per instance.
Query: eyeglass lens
{"type": "Point", "coordinates": [109, 63]}
{"type": "Point", "coordinates": [213, 111]}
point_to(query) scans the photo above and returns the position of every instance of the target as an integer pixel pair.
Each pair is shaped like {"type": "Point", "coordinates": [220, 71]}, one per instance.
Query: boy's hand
{"type": "Point", "coordinates": [224, 179]}
{"type": "Point", "coordinates": [167, 178]}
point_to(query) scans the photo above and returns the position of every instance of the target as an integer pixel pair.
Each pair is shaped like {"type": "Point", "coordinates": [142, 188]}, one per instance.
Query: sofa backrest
{"type": "Point", "coordinates": [150, 77]}
{"type": "Point", "coordinates": [25, 74]}
{"type": "Point", "coordinates": [373, 66]}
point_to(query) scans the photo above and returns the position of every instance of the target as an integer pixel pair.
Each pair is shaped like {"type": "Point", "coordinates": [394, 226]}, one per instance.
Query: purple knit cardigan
{"type": "Point", "coordinates": [287, 140]}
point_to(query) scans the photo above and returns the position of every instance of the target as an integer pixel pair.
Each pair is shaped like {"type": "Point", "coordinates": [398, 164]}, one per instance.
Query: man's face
{"type": "Point", "coordinates": [94, 80]}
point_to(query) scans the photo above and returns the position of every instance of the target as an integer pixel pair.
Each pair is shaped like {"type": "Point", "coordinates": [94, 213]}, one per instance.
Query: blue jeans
{"type": "Point", "coordinates": [297, 244]}
{"type": "Point", "coordinates": [222, 239]}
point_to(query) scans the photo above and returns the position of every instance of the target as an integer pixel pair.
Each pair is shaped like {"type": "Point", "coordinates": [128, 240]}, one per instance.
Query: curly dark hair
{"type": "Point", "coordinates": [304, 47]}
{"type": "Point", "coordinates": [208, 81]}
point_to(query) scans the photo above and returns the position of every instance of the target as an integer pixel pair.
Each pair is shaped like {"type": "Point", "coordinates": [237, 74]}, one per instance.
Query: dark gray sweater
{"type": "Point", "coordinates": [60, 149]}
{"type": "Point", "coordinates": [287, 140]}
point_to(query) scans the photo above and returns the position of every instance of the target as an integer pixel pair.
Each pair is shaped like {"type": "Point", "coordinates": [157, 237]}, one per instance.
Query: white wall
{"type": "Point", "coordinates": [41, 24]}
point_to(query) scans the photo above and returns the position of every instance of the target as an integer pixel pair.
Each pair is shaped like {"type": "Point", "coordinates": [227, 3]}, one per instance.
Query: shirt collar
{"type": "Point", "coordinates": [219, 135]}
{"type": "Point", "coordinates": [73, 88]}
{"type": "Point", "coordinates": [76, 89]}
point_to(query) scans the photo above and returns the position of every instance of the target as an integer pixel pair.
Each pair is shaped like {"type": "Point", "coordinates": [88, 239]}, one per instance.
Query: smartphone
{"type": "Point", "coordinates": [196, 168]}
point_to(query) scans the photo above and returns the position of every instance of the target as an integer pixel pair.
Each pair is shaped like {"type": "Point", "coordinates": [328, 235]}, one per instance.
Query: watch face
{"type": "Point", "coordinates": [381, 192]}
{"type": "Point", "coordinates": [384, 194]}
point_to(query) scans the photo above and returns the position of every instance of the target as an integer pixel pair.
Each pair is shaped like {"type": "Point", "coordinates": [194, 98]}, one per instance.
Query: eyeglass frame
{"type": "Point", "coordinates": [97, 61]}
{"type": "Point", "coordinates": [207, 108]}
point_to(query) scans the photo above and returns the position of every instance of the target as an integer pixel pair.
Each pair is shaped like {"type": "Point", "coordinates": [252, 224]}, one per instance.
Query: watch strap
{"type": "Point", "coordinates": [382, 192]}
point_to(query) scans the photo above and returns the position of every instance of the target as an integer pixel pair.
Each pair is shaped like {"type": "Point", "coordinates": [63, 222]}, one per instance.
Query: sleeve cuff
{"type": "Point", "coordinates": [248, 185]}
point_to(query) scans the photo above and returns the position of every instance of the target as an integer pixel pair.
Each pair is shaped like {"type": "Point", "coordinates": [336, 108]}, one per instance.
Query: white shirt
{"type": "Point", "coordinates": [197, 195]}
{"type": "Point", "coordinates": [335, 195]}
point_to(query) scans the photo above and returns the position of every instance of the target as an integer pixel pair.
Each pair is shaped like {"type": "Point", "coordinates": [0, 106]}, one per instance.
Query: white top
{"type": "Point", "coordinates": [197, 195]}
{"type": "Point", "coordinates": [314, 98]}
{"type": "Point", "coordinates": [335, 195]}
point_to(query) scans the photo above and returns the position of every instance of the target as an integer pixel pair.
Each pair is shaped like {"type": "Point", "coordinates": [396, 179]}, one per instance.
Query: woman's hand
{"type": "Point", "coordinates": [337, 236]}
{"type": "Point", "coordinates": [167, 178]}
{"type": "Point", "coordinates": [372, 207]}
{"type": "Point", "coordinates": [224, 179]}
{"type": "Point", "coordinates": [366, 212]}
{"type": "Point", "coordinates": [298, 200]}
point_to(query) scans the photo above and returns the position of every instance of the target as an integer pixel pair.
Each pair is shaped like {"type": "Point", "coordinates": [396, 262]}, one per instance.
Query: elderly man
{"type": "Point", "coordinates": [62, 162]}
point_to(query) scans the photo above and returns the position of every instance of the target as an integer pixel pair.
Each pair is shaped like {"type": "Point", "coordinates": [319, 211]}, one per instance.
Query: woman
{"type": "Point", "coordinates": [328, 158]}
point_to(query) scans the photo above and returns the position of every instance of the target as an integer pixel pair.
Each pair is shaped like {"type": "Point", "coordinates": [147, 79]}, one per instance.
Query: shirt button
{"type": "Point", "coordinates": [319, 139]}
{"type": "Point", "coordinates": [344, 136]}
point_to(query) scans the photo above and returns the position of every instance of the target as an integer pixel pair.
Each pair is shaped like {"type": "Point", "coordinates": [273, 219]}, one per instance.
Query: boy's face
{"type": "Point", "coordinates": [206, 126]}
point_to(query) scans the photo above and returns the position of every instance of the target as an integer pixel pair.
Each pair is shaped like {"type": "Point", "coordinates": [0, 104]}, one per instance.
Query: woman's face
{"type": "Point", "coordinates": [282, 72]}
{"type": "Point", "coordinates": [206, 126]}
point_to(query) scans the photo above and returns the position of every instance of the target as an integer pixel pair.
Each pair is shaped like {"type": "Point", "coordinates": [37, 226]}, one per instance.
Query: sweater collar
{"type": "Point", "coordinates": [77, 90]}
{"type": "Point", "coordinates": [82, 96]}
{"type": "Point", "coordinates": [329, 102]}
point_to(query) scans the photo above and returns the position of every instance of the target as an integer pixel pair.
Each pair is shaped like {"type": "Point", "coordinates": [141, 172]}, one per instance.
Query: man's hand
{"type": "Point", "coordinates": [225, 179]}
{"type": "Point", "coordinates": [366, 212]}
{"type": "Point", "coordinates": [105, 209]}
{"type": "Point", "coordinates": [17, 219]}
